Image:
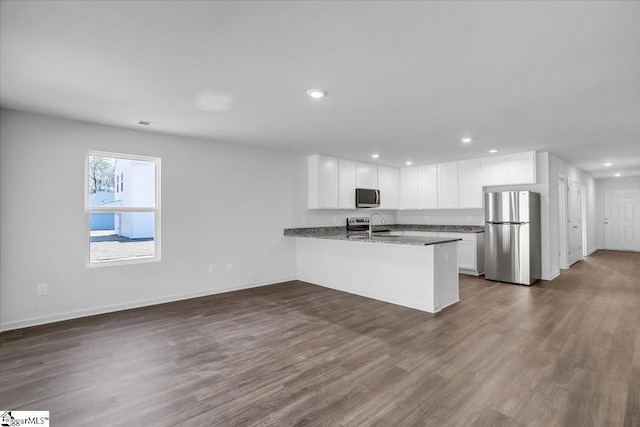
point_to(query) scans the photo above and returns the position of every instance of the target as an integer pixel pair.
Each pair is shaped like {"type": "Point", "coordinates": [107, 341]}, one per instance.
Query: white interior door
{"type": "Point", "coordinates": [574, 220]}
{"type": "Point", "coordinates": [562, 223]}
{"type": "Point", "coordinates": [622, 220]}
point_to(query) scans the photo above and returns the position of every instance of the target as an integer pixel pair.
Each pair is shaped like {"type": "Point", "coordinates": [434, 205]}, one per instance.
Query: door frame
{"type": "Point", "coordinates": [575, 185]}
{"type": "Point", "coordinates": [583, 200]}
{"type": "Point", "coordinates": [563, 230]}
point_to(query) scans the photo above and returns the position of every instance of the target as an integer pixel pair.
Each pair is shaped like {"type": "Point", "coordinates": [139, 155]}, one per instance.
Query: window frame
{"type": "Point", "coordinates": [88, 210]}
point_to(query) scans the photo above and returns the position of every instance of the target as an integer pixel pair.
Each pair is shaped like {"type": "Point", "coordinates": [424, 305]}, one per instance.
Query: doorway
{"type": "Point", "coordinates": [574, 222]}
{"type": "Point", "coordinates": [570, 222]}
{"type": "Point", "coordinates": [622, 220]}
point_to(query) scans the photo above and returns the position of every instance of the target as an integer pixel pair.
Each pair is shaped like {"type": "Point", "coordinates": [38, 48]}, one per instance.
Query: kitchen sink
{"type": "Point", "coordinates": [374, 237]}
{"type": "Point", "coordinates": [358, 237]}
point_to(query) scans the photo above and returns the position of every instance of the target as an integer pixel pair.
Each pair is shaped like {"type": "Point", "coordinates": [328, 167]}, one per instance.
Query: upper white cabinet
{"type": "Point", "coordinates": [511, 169]}
{"type": "Point", "coordinates": [323, 182]}
{"type": "Point", "coordinates": [469, 184]}
{"type": "Point", "coordinates": [451, 185]}
{"type": "Point", "coordinates": [389, 186]}
{"type": "Point", "coordinates": [448, 185]}
{"type": "Point", "coordinates": [428, 187]}
{"type": "Point", "coordinates": [366, 176]}
{"type": "Point", "coordinates": [409, 189]}
{"type": "Point", "coordinates": [494, 170]}
{"type": "Point", "coordinates": [346, 184]}
{"type": "Point", "coordinates": [521, 168]}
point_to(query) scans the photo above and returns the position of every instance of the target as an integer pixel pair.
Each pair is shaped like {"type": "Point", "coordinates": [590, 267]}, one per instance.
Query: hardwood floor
{"type": "Point", "coordinates": [560, 353]}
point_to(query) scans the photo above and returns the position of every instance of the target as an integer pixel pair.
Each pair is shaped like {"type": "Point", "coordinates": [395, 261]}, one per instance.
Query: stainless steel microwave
{"type": "Point", "coordinates": [366, 198]}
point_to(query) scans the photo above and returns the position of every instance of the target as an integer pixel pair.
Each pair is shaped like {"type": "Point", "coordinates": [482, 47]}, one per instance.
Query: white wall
{"type": "Point", "coordinates": [602, 185]}
{"type": "Point", "coordinates": [220, 203]}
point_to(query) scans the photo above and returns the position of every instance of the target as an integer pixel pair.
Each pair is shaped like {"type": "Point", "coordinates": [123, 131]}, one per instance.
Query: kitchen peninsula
{"type": "Point", "coordinates": [419, 272]}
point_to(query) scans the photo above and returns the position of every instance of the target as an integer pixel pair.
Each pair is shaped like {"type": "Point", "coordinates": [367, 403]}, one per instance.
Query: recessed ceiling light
{"type": "Point", "coordinates": [466, 140]}
{"type": "Point", "coordinates": [316, 93]}
{"type": "Point", "coordinates": [493, 151]}
{"type": "Point", "coordinates": [375, 156]}
{"type": "Point", "coordinates": [409, 163]}
{"type": "Point", "coordinates": [617, 175]}
{"type": "Point", "coordinates": [608, 164]}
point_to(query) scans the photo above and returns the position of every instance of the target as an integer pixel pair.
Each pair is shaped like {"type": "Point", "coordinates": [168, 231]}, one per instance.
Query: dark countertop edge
{"type": "Point", "coordinates": [403, 240]}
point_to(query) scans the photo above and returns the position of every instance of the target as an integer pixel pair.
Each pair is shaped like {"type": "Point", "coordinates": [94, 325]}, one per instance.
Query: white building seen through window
{"type": "Point", "coordinates": [122, 208]}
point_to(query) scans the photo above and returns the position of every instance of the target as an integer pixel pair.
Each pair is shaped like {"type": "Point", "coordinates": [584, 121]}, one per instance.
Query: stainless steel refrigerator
{"type": "Point", "coordinates": [512, 237]}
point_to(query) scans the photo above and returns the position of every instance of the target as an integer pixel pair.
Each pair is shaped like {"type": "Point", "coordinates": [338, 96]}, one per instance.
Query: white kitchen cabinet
{"type": "Point", "coordinates": [494, 171]}
{"type": "Point", "coordinates": [522, 168]}
{"type": "Point", "coordinates": [469, 184]}
{"type": "Point", "coordinates": [366, 176]}
{"type": "Point", "coordinates": [511, 169]}
{"type": "Point", "coordinates": [447, 185]}
{"type": "Point", "coordinates": [409, 188]}
{"type": "Point", "coordinates": [389, 186]}
{"type": "Point", "coordinates": [346, 184]}
{"type": "Point", "coordinates": [470, 251]}
{"type": "Point", "coordinates": [428, 187]}
{"type": "Point", "coordinates": [323, 182]}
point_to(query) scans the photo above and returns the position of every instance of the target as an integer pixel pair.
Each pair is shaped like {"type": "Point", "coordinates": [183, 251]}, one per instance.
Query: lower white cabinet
{"type": "Point", "coordinates": [470, 252]}
{"type": "Point", "coordinates": [470, 249]}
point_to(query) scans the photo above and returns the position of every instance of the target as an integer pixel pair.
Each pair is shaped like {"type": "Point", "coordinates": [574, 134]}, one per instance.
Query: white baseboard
{"type": "Point", "coordinates": [34, 321]}
{"type": "Point", "coordinates": [590, 251]}
{"type": "Point", "coordinates": [551, 276]}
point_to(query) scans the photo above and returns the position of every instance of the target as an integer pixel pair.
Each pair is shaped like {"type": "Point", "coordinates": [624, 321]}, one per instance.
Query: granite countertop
{"type": "Point", "coordinates": [330, 231]}
{"type": "Point", "coordinates": [376, 238]}
{"type": "Point", "coordinates": [434, 227]}
{"type": "Point", "coordinates": [383, 234]}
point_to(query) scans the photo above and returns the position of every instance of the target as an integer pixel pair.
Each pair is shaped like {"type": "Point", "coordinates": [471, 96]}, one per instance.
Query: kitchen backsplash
{"type": "Point", "coordinates": [445, 217]}
{"type": "Point", "coordinates": [327, 218]}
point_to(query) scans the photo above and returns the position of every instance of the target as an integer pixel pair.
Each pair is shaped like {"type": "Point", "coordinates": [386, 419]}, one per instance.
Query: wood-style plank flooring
{"type": "Point", "coordinates": [560, 353]}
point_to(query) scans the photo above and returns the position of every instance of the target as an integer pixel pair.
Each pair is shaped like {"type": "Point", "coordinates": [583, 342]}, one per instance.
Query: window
{"type": "Point", "coordinates": [123, 223]}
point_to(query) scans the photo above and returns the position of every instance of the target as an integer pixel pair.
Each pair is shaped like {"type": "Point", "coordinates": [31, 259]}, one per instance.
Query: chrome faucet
{"type": "Point", "coordinates": [382, 221]}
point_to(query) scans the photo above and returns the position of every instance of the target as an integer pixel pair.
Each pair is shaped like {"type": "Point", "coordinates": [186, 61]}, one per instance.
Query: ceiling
{"type": "Point", "coordinates": [406, 80]}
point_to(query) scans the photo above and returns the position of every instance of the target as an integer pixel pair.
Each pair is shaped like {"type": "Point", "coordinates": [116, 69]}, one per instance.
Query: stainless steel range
{"type": "Point", "coordinates": [358, 225]}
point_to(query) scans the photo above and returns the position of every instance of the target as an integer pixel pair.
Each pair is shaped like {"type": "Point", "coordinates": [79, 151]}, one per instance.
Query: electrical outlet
{"type": "Point", "coordinates": [229, 266]}
{"type": "Point", "coordinates": [43, 289]}
{"type": "Point", "coordinates": [212, 269]}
